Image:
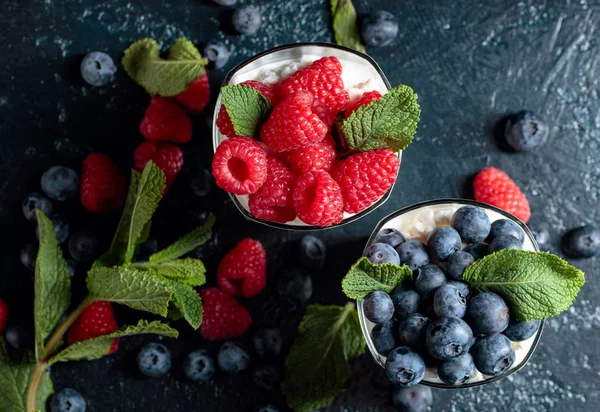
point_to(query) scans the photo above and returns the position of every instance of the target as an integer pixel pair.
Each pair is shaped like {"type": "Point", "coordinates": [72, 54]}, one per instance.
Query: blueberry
{"type": "Point", "coordinates": [378, 307]}
{"type": "Point", "coordinates": [389, 236]}
{"type": "Point", "coordinates": [382, 336]}
{"type": "Point", "coordinates": [426, 307]}
{"type": "Point", "coordinates": [416, 398]}
{"type": "Point", "coordinates": [472, 224]}
{"type": "Point", "coordinates": [520, 331]}
{"type": "Point", "coordinates": [71, 268]}
{"type": "Point", "coordinates": [217, 54]}
{"type": "Point", "coordinates": [199, 366]}
{"type": "Point", "coordinates": [461, 286]}
{"type": "Point", "coordinates": [61, 228]}
{"type": "Point", "coordinates": [406, 301]}
{"type": "Point", "coordinates": [28, 256]}
{"type": "Point", "coordinates": [295, 287]}
{"type": "Point", "coordinates": [504, 242]}
{"type": "Point", "coordinates": [442, 242]}
{"type": "Point", "coordinates": [413, 331]}
{"type": "Point", "coordinates": [506, 227]}
{"type": "Point", "coordinates": [493, 354]}
{"type": "Point", "coordinates": [266, 376]}
{"type": "Point", "coordinates": [413, 254]}
{"type": "Point", "coordinates": [449, 302]}
{"type": "Point", "coordinates": [456, 371]}
{"type": "Point", "coordinates": [67, 400]}
{"type": "Point", "coordinates": [379, 28]}
{"type": "Point", "coordinates": [233, 358]}
{"type": "Point", "coordinates": [429, 278]}
{"type": "Point", "coordinates": [202, 183]}
{"type": "Point", "coordinates": [36, 201]}
{"type": "Point", "coordinates": [379, 253]}
{"type": "Point", "coordinates": [477, 250]}
{"type": "Point", "coordinates": [82, 246]}
{"type": "Point", "coordinates": [582, 242]}
{"type": "Point", "coordinates": [60, 183]}
{"type": "Point", "coordinates": [225, 2]}
{"type": "Point", "coordinates": [525, 131]}
{"type": "Point", "coordinates": [97, 69]}
{"type": "Point", "coordinates": [267, 408]}
{"type": "Point", "coordinates": [247, 19]}
{"type": "Point", "coordinates": [458, 262]}
{"type": "Point", "coordinates": [487, 313]}
{"type": "Point", "coordinates": [146, 249]}
{"type": "Point", "coordinates": [19, 337]}
{"type": "Point", "coordinates": [312, 252]}
{"type": "Point", "coordinates": [541, 234]}
{"type": "Point", "coordinates": [448, 338]}
{"type": "Point", "coordinates": [154, 360]}
{"type": "Point", "coordinates": [404, 366]}
{"type": "Point", "coordinates": [267, 342]}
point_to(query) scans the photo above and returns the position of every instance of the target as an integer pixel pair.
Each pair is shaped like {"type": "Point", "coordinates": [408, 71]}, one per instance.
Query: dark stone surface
{"type": "Point", "coordinates": [472, 63]}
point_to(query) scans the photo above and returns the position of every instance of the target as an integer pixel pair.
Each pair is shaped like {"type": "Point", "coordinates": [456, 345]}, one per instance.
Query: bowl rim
{"type": "Point", "coordinates": [462, 202]}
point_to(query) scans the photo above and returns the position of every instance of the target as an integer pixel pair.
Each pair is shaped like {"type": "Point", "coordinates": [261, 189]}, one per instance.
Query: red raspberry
{"type": "Point", "coordinates": [292, 124]}
{"type": "Point", "coordinates": [197, 95]}
{"type": "Point", "coordinates": [494, 187]}
{"type": "Point", "coordinates": [243, 271]}
{"type": "Point", "coordinates": [365, 177]}
{"type": "Point", "coordinates": [166, 120]}
{"type": "Point", "coordinates": [224, 121]}
{"type": "Point", "coordinates": [3, 315]}
{"type": "Point", "coordinates": [317, 156]}
{"type": "Point", "coordinates": [318, 199]}
{"type": "Point", "coordinates": [103, 188]}
{"type": "Point", "coordinates": [96, 320]}
{"type": "Point", "coordinates": [273, 201]}
{"type": "Point", "coordinates": [239, 165]}
{"type": "Point", "coordinates": [167, 157]}
{"type": "Point", "coordinates": [365, 99]}
{"type": "Point", "coordinates": [223, 317]}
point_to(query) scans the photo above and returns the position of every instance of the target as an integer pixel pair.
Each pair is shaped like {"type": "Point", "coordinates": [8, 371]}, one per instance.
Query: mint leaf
{"type": "Point", "coordinates": [163, 77]}
{"type": "Point", "coordinates": [387, 123]}
{"type": "Point", "coordinates": [187, 302]}
{"type": "Point", "coordinates": [365, 277]}
{"type": "Point", "coordinates": [98, 347]}
{"type": "Point", "coordinates": [247, 108]}
{"type": "Point", "coordinates": [51, 284]}
{"type": "Point", "coordinates": [317, 364]}
{"type": "Point", "coordinates": [187, 243]}
{"type": "Point", "coordinates": [134, 288]}
{"type": "Point", "coordinates": [345, 29]}
{"type": "Point", "coordinates": [188, 271]}
{"type": "Point", "coordinates": [535, 285]}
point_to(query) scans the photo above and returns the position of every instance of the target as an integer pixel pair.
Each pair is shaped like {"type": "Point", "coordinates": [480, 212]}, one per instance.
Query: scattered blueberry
{"type": "Point", "coordinates": [378, 307]}
{"type": "Point", "coordinates": [225, 2]}
{"type": "Point", "coordinates": [379, 253]}
{"type": "Point", "coordinates": [98, 69]}
{"type": "Point", "coordinates": [448, 338]}
{"type": "Point", "coordinates": [416, 398]}
{"type": "Point", "coordinates": [456, 371]}
{"type": "Point", "coordinates": [247, 19]}
{"type": "Point", "coordinates": [82, 246]}
{"type": "Point", "coordinates": [442, 242]}
{"type": "Point", "coordinates": [267, 342]}
{"type": "Point", "coordinates": [404, 366]}
{"type": "Point", "coordinates": [233, 358]}
{"type": "Point", "coordinates": [457, 263]}
{"type": "Point", "coordinates": [312, 252]}
{"type": "Point", "coordinates": [19, 337]}
{"type": "Point", "coordinates": [506, 227]}
{"type": "Point", "coordinates": [379, 29]}
{"type": "Point", "coordinates": [389, 236]}
{"type": "Point", "coordinates": [61, 228]}
{"type": "Point", "coordinates": [266, 376]}
{"type": "Point", "coordinates": [413, 254]}
{"type": "Point", "coordinates": [504, 242]}
{"type": "Point", "coordinates": [154, 360]}
{"type": "Point", "coordinates": [382, 336]}
{"type": "Point", "coordinates": [582, 242]}
{"type": "Point", "coordinates": [413, 331]}
{"type": "Point", "coordinates": [493, 354]}
{"type": "Point", "coordinates": [429, 278]}
{"type": "Point", "coordinates": [477, 250]}
{"type": "Point", "coordinates": [461, 286]}
{"type": "Point", "coordinates": [199, 366]}
{"type": "Point", "coordinates": [71, 268]}
{"type": "Point", "coordinates": [267, 408]}
{"type": "Point", "coordinates": [28, 256]}
{"type": "Point", "coordinates": [541, 234]}
{"type": "Point", "coordinates": [67, 400]}
{"type": "Point", "coordinates": [487, 313]}
{"type": "Point", "coordinates": [526, 131]}
{"type": "Point", "coordinates": [295, 287]}
{"type": "Point", "coordinates": [60, 183]}
{"type": "Point", "coordinates": [36, 201]}
{"type": "Point", "coordinates": [449, 302]}
{"type": "Point", "coordinates": [217, 54]}
{"type": "Point", "coordinates": [202, 183]}
{"type": "Point", "coordinates": [472, 224]}
{"type": "Point", "coordinates": [520, 331]}
{"type": "Point", "coordinates": [406, 302]}
{"type": "Point", "coordinates": [147, 248]}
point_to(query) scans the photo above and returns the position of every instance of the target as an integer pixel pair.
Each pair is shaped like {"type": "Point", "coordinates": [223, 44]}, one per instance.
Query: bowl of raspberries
{"type": "Point", "coordinates": [310, 136]}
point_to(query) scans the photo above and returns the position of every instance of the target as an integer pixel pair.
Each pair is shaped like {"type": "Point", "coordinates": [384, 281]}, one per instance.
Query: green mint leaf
{"type": "Point", "coordinates": [98, 347]}
{"type": "Point", "coordinates": [345, 29]}
{"type": "Point", "coordinates": [51, 284]}
{"type": "Point", "coordinates": [186, 301]}
{"type": "Point", "coordinates": [169, 77]}
{"type": "Point", "coordinates": [317, 364]}
{"type": "Point", "coordinates": [247, 108]}
{"type": "Point", "coordinates": [187, 243]}
{"type": "Point", "coordinates": [365, 277]}
{"type": "Point", "coordinates": [535, 285]}
{"type": "Point", "coordinates": [134, 288]}
{"type": "Point", "coordinates": [387, 123]}
{"type": "Point", "coordinates": [187, 271]}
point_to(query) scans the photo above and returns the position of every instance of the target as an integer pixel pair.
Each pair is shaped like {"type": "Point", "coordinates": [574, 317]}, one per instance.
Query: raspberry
{"type": "Point", "coordinates": [165, 120]}
{"type": "Point", "coordinates": [292, 124]}
{"type": "Point", "coordinates": [365, 177]}
{"type": "Point", "coordinates": [365, 99]}
{"type": "Point", "coordinates": [273, 201]}
{"type": "Point", "coordinates": [224, 121]}
{"type": "Point", "coordinates": [243, 271]}
{"type": "Point", "coordinates": [223, 317]}
{"type": "Point", "coordinates": [239, 165]}
{"type": "Point", "coordinates": [496, 188]}
{"type": "Point", "coordinates": [197, 95]}
{"type": "Point", "coordinates": [168, 158]}
{"type": "Point", "coordinates": [318, 199]}
{"type": "Point", "coordinates": [97, 319]}
{"type": "Point", "coordinates": [103, 188]}
{"type": "Point", "coordinates": [3, 315]}
{"type": "Point", "coordinates": [317, 156]}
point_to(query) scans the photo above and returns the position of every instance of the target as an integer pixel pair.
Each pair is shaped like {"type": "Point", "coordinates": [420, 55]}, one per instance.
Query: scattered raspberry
{"type": "Point", "coordinates": [365, 99]}
{"type": "Point", "coordinates": [168, 158]}
{"type": "Point", "coordinates": [165, 120]}
{"type": "Point", "coordinates": [103, 188]}
{"type": "Point", "coordinates": [243, 271]}
{"type": "Point", "coordinates": [365, 177]}
{"type": "Point", "coordinates": [239, 165]}
{"type": "Point", "coordinates": [197, 96]}
{"type": "Point", "coordinates": [223, 317]}
{"type": "Point", "coordinates": [318, 199]}
{"type": "Point", "coordinates": [292, 124]}
{"type": "Point", "coordinates": [317, 156]}
{"type": "Point", "coordinates": [3, 315]}
{"type": "Point", "coordinates": [273, 201]}
{"type": "Point", "coordinates": [494, 187]}
{"type": "Point", "coordinates": [95, 320]}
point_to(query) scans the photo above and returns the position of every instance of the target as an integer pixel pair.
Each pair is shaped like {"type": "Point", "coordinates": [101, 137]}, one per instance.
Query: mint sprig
{"type": "Point", "coordinates": [535, 285]}
{"type": "Point", "coordinates": [365, 277]}
{"type": "Point", "coordinates": [246, 107]}
{"type": "Point", "coordinates": [345, 28]}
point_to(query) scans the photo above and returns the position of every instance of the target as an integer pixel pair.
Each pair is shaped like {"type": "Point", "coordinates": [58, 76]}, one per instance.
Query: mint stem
{"type": "Point", "coordinates": [34, 386]}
